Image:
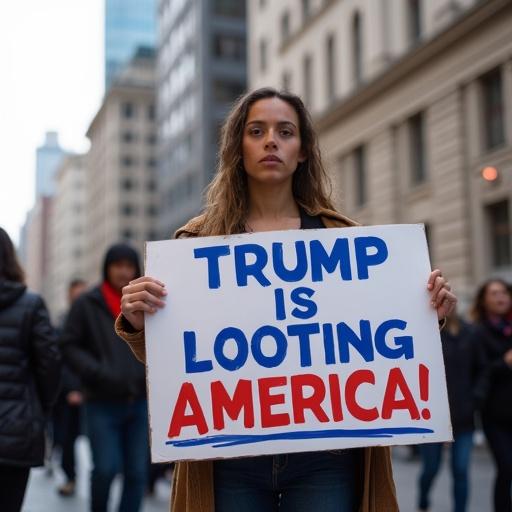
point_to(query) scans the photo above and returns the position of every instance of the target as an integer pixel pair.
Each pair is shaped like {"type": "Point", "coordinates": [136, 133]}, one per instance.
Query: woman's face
{"type": "Point", "coordinates": [497, 300]}
{"type": "Point", "coordinates": [271, 145]}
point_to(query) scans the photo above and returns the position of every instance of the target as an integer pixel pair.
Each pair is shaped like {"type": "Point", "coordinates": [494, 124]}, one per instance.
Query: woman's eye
{"type": "Point", "coordinates": [255, 131]}
{"type": "Point", "coordinates": [286, 133]}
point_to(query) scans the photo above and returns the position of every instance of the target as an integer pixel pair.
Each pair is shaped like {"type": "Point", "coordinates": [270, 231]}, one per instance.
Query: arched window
{"type": "Point", "coordinates": [357, 48]}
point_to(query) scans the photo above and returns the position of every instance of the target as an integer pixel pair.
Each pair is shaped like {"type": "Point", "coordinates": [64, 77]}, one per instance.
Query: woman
{"type": "Point", "coordinates": [29, 378]}
{"type": "Point", "coordinates": [492, 312]}
{"type": "Point", "coordinates": [271, 177]}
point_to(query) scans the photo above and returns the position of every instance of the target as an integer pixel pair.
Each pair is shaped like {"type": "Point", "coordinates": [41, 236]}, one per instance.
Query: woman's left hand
{"type": "Point", "coordinates": [441, 297]}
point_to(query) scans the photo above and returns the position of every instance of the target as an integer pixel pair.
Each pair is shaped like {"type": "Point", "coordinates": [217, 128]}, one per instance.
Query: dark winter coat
{"type": "Point", "coordinates": [495, 384]}
{"type": "Point", "coordinates": [462, 366]}
{"type": "Point", "coordinates": [29, 375]}
{"type": "Point", "coordinates": [104, 363]}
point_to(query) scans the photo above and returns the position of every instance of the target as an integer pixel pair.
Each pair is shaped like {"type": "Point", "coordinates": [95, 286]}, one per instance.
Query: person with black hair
{"type": "Point", "coordinates": [492, 314]}
{"type": "Point", "coordinates": [29, 378]}
{"type": "Point", "coordinates": [113, 383]}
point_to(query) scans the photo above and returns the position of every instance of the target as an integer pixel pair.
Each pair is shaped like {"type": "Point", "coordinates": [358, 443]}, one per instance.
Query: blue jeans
{"type": "Point", "coordinates": [431, 455]}
{"type": "Point", "coordinates": [118, 434]}
{"type": "Point", "coordinates": [295, 482]}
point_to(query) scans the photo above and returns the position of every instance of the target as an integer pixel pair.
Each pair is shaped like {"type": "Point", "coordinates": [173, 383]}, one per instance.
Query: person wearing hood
{"type": "Point", "coordinates": [29, 377]}
{"type": "Point", "coordinates": [113, 383]}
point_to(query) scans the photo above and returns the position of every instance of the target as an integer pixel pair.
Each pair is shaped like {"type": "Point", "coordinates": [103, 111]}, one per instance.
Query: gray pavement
{"type": "Point", "coordinates": [42, 497]}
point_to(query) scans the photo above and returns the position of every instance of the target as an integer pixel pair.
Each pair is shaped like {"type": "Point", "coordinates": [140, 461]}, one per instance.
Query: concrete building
{"type": "Point", "coordinates": [48, 159]}
{"type": "Point", "coordinates": [37, 245]}
{"type": "Point", "coordinates": [201, 70]}
{"type": "Point", "coordinates": [67, 233]}
{"type": "Point", "coordinates": [121, 165]}
{"type": "Point", "coordinates": [412, 102]}
{"type": "Point", "coordinates": [128, 25]}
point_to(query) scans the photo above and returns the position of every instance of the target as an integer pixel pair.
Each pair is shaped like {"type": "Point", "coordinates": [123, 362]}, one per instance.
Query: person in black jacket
{"type": "Point", "coordinates": [113, 382]}
{"type": "Point", "coordinates": [492, 312]}
{"type": "Point", "coordinates": [462, 366]}
{"type": "Point", "coordinates": [29, 378]}
{"type": "Point", "coordinates": [67, 413]}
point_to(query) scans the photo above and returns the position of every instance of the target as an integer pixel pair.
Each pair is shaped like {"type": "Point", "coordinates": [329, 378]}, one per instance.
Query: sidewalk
{"type": "Point", "coordinates": [42, 496]}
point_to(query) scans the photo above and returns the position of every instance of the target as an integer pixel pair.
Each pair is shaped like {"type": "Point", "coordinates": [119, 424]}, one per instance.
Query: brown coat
{"type": "Point", "coordinates": [192, 489]}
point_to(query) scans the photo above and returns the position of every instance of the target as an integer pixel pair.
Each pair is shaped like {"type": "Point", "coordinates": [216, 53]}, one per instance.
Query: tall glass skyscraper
{"type": "Point", "coordinates": [129, 24]}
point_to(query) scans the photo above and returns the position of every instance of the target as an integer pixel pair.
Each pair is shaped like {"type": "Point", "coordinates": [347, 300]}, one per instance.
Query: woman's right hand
{"type": "Point", "coordinates": [142, 295]}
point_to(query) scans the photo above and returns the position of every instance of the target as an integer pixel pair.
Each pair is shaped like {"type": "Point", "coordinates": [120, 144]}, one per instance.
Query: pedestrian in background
{"type": "Point", "coordinates": [462, 368]}
{"type": "Point", "coordinates": [29, 378]}
{"type": "Point", "coordinates": [492, 314]}
{"type": "Point", "coordinates": [113, 383]}
{"type": "Point", "coordinates": [67, 415]}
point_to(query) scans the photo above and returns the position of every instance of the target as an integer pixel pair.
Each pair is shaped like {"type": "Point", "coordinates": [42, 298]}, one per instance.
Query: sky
{"type": "Point", "coordinates": [51, 79]}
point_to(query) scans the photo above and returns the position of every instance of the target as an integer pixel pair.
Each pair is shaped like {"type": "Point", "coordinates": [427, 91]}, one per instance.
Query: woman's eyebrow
{"type": "Point", "coordinates": [280, 123]}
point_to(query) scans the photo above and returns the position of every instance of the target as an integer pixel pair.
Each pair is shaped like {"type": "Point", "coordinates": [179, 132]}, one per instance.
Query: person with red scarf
{"type": "Point", "coordinates": [113, 382]}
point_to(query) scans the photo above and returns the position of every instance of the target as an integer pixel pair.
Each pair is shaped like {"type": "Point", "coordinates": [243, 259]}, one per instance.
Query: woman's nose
{"type": "Point", "coordinates": [270, 141]}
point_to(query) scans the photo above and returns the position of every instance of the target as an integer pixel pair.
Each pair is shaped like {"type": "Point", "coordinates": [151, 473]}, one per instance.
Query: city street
{"type": "Point", "coordinates": [42, 497]}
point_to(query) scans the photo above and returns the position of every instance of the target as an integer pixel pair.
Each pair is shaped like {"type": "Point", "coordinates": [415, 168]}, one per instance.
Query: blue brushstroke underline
{"type": "Point", "coordinates": [223, 440]}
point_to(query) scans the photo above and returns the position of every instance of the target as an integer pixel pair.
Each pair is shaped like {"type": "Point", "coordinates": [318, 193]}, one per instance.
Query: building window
{"type": "Point", "coordinates": [151, 163]}
{"type": "Point", "coordinates": [127, 110]}
{"type": "Point", "coordinates": [263, 3]}
{"type": "Point", "coordinates": [127, 234]}
{"type": "Point", "coordinates": [306, 10]}
{"type": "Point", "coordinates": [498, 216]}
{"type": "Point", "coordinates": [360, 175]}
{"type": "Point", "coordinates": [308, 82]}
{"type": "Point", "coordinates": [417, 150]}
{"type": "Point", "coordinates": [151, 139]}
{"type": "Point", "coordinates": [127, 210]}
{"type": "Point", "coordinates": [493, 109]}
{"type": "Point", "coordinates": [331, 68]}
{"type": "Point", "coordinates": [151, 185]}
{"type": "Point", "coordinates": [152, 235]}
{"type": "Point", "coordinates": [151, 112]}
{"type": "Point", "coordinates": [127, 137]}
{"type": "Point", "coordinates": [285, 27]}
{"type": "Point", "coordinates": [263, 55]}
{"type": "Point", "coordinates": [127, 184]}
{"type": "Point", "coordinates": [413, 20]}
{"type": "Point", "coordinates": [357, 49]}
{"type": "Point", "coordinates": [229, 47]}
{"type": "Point", "coordinates": [229, 8]}
{"type": "Point", "coordinates": [127, 161]}
{"type": "Point", "coordinates": [226, 92]}
{"type": "Point", "coordinates": [151, 210]}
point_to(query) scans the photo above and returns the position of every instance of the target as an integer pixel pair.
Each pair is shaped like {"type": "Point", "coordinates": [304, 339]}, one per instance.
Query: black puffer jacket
{"type": "Point", "coordinates": [100, 358]}
{"type": "Point", "coordinates": [463, 367]}
{"type": "Point", "coordinates": [29, 374]}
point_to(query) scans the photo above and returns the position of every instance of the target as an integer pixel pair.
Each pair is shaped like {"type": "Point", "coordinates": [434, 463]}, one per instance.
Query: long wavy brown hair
{"type": "Point", "coordinates": [227, 195]}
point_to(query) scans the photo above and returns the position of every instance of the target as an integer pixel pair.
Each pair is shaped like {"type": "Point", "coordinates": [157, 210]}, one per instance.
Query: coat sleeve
{"type": "Point", "coordinates": [73, 340]}
{"type": "Point", "coordinates": [46, 355]}
{"type": "Point", "coordinates": [136, 339]}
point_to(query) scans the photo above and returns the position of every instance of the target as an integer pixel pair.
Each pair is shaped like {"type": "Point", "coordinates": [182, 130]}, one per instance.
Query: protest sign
{"type": "Point", "coordinates": [293, 341]}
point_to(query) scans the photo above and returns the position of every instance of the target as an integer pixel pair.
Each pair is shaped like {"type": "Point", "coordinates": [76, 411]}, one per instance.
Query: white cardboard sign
{"type": "Point", "coordinates": [294, 341]}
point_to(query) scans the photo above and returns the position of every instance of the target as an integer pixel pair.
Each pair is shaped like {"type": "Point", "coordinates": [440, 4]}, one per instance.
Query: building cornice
{"type": "Point", "coordinates": [412, 61]}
